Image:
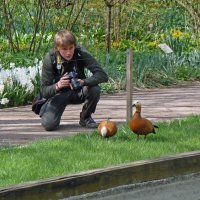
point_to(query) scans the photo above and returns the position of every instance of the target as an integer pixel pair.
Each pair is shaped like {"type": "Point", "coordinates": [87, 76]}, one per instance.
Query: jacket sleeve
{"type": "Point", "coordinates": [98, 74]}
{"type": "Point", "coordinates": [48, 78]}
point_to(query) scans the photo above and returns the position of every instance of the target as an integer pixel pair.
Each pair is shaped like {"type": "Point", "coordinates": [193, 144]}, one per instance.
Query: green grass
{"type": "Point", "coordinates": [55, 157]}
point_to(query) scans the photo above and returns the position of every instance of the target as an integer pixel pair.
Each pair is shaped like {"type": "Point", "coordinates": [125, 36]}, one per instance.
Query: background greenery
{"type": "Point", "coordinates": [107, 28]}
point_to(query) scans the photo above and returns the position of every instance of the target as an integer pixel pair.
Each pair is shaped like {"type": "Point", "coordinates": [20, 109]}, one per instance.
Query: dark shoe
{"type": "Point", "coordinates": [88, 122]}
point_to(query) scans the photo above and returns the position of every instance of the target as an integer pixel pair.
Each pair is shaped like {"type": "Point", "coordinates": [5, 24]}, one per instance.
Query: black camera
{"type": "Point", "coordinates": [72, 76]}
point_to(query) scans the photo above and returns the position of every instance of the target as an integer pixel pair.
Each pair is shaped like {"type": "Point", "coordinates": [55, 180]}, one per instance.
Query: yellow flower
{"type": "Point", "coordinates": [162, 36]}
{"type": "Point", "coordinates": [57, 18]}
{"type": "Point", "coordinates": [132, 44]}
{"type": "Point", "coordinates": [116, 43]}
{"type": "Point", "coordinates": [177, 34]}
{"type": "Point", "coordinates": [153, 44]}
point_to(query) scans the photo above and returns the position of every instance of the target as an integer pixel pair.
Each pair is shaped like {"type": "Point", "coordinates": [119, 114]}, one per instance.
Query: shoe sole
{"type": "Point", "coordinates": [84, 125]}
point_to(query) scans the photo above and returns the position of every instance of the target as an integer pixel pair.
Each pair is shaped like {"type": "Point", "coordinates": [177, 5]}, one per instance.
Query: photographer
{"type": "Point", "coordinates": [64, 81]}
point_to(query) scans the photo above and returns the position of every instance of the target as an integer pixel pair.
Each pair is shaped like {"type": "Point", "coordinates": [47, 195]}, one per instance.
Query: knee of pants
{"type": "Point", "coordinates": [49, 123]}
{"type": "Point", "coordinates": [94, 92]}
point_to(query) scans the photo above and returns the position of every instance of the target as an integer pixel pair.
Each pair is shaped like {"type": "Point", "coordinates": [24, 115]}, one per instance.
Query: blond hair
{"type": "Point", "coordinates": [64, 38]}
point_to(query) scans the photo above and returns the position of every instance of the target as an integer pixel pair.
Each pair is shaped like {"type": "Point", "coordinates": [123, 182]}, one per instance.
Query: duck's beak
{"type": "Point", "coordinates": [133, 105]}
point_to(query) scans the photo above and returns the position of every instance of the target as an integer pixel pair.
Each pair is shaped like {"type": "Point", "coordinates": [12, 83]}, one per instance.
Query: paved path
{"type": "Point", "coordinates": [20, 125]}
{"type": "Point", "coordinates": [186, 188]}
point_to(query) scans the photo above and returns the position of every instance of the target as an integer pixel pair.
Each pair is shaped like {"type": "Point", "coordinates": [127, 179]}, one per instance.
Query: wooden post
{"type": "Point", "coordinates": [129, 81]}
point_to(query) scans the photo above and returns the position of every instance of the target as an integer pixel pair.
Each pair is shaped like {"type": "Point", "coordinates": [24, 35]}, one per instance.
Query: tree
{"type": "Point", "coordinates": [9, 27]}
{"type": "Point", "coordinates": [110, 4]}
{"type": "Point", "coordinates": [73, 21]}
{"type": "Point", "coordinates": [39, 22]}
{"type": "Point", "coordinates": [35, 18]}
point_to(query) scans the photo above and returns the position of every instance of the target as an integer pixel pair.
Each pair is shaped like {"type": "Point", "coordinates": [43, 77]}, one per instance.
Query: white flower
{"type": "Point", "coordinates": [29, 86]}
{"type": "Point", "coordinates": [40, 64]}
{"type": "Point", "coordinates": [12, 65]}
{"type": "Point", "coordinates": [49, 37]}
{"type": "Point", "coordinates": [33, 71]}
{"type": "Point", "coordinates": [4, 101]}
{"type": "Point", "coordinates": [24, 76]}
{"type": "Point", "coordinates": [1, 89]}
{"type": "Point", "coordinates": [36, 60]}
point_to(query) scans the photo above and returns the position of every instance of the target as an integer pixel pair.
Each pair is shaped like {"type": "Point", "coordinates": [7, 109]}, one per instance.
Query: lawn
{"type": "Point", "coordinates": [82, 152]}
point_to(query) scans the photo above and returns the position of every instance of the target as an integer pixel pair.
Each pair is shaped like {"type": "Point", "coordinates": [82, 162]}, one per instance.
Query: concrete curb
{"type": "Point", "coordinates": [102, 179]}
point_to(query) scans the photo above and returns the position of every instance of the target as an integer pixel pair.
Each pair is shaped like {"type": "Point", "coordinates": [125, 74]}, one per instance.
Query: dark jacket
{"type": "Point", "coordinates": [82, 60]}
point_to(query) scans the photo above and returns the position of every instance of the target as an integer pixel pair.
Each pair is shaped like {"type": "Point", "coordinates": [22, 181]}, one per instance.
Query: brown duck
{"type": "Point", "coordinates": [140, 125]}
{"type": "Point", "coordinates": [107, 128]}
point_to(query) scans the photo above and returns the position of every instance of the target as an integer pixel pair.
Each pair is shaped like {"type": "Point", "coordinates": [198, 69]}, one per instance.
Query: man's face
{"type": "Point", "coordinates": [67, 52]}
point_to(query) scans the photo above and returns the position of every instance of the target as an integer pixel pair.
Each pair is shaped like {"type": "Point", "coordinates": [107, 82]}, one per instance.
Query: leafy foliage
{"type": "Point", "coordinates": [23, 39]}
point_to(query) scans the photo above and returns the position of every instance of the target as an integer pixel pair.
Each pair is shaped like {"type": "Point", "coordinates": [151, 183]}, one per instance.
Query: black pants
{"type": "Point", "coordinates": [53, 109]}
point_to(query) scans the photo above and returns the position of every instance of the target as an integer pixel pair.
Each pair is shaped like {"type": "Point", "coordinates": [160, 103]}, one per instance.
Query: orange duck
{"type": "Point", "coordinates": [139, 125]}
{"type": "Point", "coordinates": [107, 128]}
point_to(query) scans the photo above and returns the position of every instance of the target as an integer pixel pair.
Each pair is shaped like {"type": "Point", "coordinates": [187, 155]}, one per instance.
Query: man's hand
{"type": "Point", "coordinates": [63, 83]}
{"type": "Point", "coordinates": [81, 82]}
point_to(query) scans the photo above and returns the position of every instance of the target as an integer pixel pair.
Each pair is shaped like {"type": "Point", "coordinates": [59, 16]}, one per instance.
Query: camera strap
{"type": "Point", "coordinates": [59, 64]}
{"type": "Point", "coordinates": [56, 62]}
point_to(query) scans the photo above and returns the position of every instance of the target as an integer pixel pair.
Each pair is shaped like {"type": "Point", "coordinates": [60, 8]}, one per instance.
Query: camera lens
{"type": "Point", "coordinates": [75, 84]}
